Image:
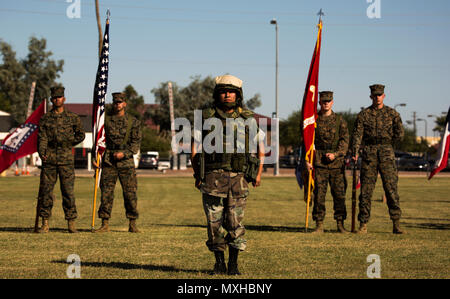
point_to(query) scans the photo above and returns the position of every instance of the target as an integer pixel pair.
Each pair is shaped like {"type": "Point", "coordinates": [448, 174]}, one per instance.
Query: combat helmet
{"type": "Point", "coordinates": [228, 82]}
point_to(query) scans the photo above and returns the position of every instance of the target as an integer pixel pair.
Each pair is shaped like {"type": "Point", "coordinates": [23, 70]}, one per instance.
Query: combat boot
{"type": "Point", "coordinates": [104, 228]}
{"type": "Point", "coordinates": [44, 228]}
{"type": "Point", "coordinates": [232, 261]}
{"type": "Point", "coordinates": [319, 227]}
{"type": "Point", "coordinates": [133, 228]}
{"type": "Point", "coordinates": [362, 228]}
{"type": "Point", "coordinates": [340, 227]}
{"type": "Point", "coordinates": [71, 226]}
{"type": "Point", "coordinates": [219, 266]}
{"type": "Point", "coordinates": [396, 227]}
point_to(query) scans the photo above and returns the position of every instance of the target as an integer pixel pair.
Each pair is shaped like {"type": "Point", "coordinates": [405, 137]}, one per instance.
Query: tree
{"type": "Point", "coordinates": [12, 85]}
{"type": "Point", "coordinates": [5, 105]}
{"type": "Point", "coordinates": [135, 103]}
{"type": "Point", "coordinates": [152, 142]}
{"type": "Point", "coordinates": [440, 124]}
{"type": "Point", "coordinates": [16, 76]}
{"type": "Point", "coordinates": [253, 102]}
{"type": "Point", "coordinates": [410, 144]}
{"type": "Point", "coordinates": [290, 130]}
{"type": "Point", "coordinates": [197, 95]}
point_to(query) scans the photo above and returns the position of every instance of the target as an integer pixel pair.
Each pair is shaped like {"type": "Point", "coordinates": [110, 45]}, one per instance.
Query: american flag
{"type": "Point", "coordinates": [101, 84]}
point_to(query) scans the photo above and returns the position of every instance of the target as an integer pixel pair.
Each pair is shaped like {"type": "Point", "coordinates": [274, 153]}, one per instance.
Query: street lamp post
{"type": "Point", "coordinates": [401, 105]}
{"type": "Point", "coordinates": [276, 169]}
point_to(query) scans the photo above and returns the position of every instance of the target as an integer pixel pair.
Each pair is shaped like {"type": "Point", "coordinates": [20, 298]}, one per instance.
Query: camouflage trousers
{"type": "Point", "coordinates": [127, 178]}
{"type": "Point", "coordinates": [224, 208]}
{"type": "Point", "coordinates": [378, 159]}
{"type": "Point", "coordinates": [49, 176]}
{"type": "Point", "coordinates": [338, 184]}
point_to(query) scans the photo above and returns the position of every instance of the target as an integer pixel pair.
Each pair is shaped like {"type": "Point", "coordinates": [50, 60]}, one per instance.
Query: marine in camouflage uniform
{"type": "Point", "coordinates": [378, 127]}
{"type": "Point", "coordinates": [225, 184]}
{"type": "Point", "coordinates": [59, 132]}
{"type": "Point", "coordinates": [123, 140]}
{"type": "Point", "coordinates": [331, 145]}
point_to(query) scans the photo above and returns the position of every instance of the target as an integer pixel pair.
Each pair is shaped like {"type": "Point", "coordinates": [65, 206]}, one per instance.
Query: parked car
{"type": "Point", "coordinates": [409, 162]}
{"type": "Point", "coordinates": [149, 160]}
{"type": "Point", "coordinates": [288, 161]}
{"type": "Point", "coordinates": [164, 163]}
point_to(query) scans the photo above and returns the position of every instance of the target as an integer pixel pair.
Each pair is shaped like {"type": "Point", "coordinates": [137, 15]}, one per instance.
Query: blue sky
{"type": "Point", "coordinates": [156, 41]}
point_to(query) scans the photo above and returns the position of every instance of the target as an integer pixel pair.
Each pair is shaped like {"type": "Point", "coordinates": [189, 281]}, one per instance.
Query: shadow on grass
{"type": "Point", "coordinates": [129, 266]}
{"type": "Point", "coordinates": [261, 228]}
{"type": "Point", "coordinates": [424, 218]}
{"type": "Point", "coordinates": [31, 230]}
{"type": "Point", "coordinates": [437, 226]}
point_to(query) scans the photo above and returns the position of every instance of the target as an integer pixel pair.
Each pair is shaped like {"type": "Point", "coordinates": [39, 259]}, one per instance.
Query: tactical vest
{"type": "Point", "coordinates": [235, 161]}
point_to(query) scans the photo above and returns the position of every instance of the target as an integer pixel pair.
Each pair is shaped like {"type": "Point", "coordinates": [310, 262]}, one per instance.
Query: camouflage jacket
{"type": "Point", "coordinates": [115, 133]}
{"type": "Point", "coordinates": [325, 141]}
{"type": "Point", "coordinates": [377, 127]}
{"type": "Point", "coordinates": [238, 141]}
{"type": "Point", "coordinates": [58, 134]}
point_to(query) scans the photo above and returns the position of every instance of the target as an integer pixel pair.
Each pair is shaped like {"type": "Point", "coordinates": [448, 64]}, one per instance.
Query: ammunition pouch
{"type": "Point", "coordinates": [230, 162]}
{"type": "Point", "coordinates": [251, 171]}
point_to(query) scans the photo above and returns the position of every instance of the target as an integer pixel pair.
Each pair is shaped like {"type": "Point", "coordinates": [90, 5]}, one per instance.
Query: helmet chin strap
{"type": "Point", "coordinates": [228, 105]}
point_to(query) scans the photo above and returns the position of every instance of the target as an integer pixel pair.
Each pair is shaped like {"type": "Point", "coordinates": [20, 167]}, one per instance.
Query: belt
{"type": "Point", "coordinates": [377, 142]}
{"type": "Point", "coordinates": [324, 148]}
{"type": "Point", "coordinates": [59, 144]}
{"type": "Point", "coordinates": [116, 147]}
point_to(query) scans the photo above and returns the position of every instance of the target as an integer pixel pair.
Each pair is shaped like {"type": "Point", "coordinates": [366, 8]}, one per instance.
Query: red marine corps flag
{"type": "Point", "coordinates": [309, 115]}
{"type": "Point", "coordinates": [22, 141]}
{"type": "Point", "coordinates": [442, 161]}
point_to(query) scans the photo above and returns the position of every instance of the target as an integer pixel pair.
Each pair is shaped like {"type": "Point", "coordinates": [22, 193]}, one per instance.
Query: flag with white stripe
{"type": "Point", "coordinates": [442, 161]}
{"type": "Point", "coordinates": [101, 84]}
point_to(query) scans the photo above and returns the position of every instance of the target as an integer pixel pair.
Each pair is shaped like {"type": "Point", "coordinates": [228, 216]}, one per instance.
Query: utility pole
{"type": "Point", "coordinates": [276, 169]}
{"type": "Point", "coordinates": [99, 26]}
{"type": "Point", "coordinates": [172, 128]}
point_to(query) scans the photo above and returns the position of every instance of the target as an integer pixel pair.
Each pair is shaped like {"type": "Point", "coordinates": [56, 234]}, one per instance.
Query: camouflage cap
{"type": "Point", "coordinates": [228, 82]}
{"type": "Point", "coordinates": [377, 89]}
{"type": "Point", "coordinates": [119, 96]}
{"type": "Point", "coordinates": [57, 91]}
{"type": "Point", "coordinates": [326, 95]}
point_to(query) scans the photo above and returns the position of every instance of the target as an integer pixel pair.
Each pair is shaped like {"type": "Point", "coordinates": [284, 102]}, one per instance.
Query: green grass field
{"type": "Point", "coordinates": [172, 241]}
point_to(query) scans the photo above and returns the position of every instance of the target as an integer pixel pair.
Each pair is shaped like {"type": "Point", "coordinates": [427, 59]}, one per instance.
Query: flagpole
{"type": "Point", "coordinates": [308, 199]}
{"type": "Point", "coordinates": [311, 150]}
{"type": "Point", "coordinates": [95, 192]}
{"type": "Point", "coordinates": [96, 124]}
{"type": "Point", "coordinates": [38, 205]}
